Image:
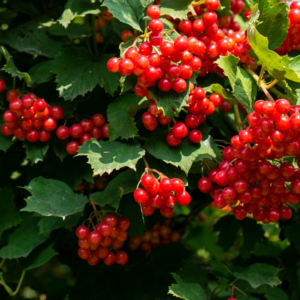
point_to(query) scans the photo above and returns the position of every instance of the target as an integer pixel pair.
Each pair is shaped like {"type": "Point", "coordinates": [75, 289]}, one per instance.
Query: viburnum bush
{"type": "Point", "coordinates": [150, 149]}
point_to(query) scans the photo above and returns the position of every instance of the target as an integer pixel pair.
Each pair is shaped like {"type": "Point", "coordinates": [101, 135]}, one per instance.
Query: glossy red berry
{"type": "Point", "coordinates": [140, 196]}
{"type": "Point", "coordinates": [153, 12]}
{"type": "Point", "coordinates": [72, 147]}
{"type": "Point", "coordinates": [62, 132]}
{"type": "Point", "coordinates": [82, 232]}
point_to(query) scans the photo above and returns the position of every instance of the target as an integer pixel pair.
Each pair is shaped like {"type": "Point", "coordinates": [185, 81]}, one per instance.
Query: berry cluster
{"type": "Point", "coordinates": [29, 117]}
{"type": "Point", "coordinates": [94, 245]}
{"type": "Point", "coordinates": [102, 22]}
{"type": "Point", "coordinates": [253, 173]}
{"type": "Point", "coordinates": [163, 194]}
{"type": "Point", "coordinates": [159, 234]}
{"type": "Point", "coordinates": [82, 132]}
{"type": "Point", "coordinates": [199, 107]}
{"type": "Point", "coordinates": [292, 40]}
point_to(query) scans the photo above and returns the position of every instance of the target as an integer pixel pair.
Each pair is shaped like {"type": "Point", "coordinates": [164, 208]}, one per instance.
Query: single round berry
{"type": "Point", "coordinates": [195, 136]}
{"type": "Point", "coordinates": [56, 112]}
{"type": "Point", "coordinates": [82, 232]}
{"type": "Point", "coordinates": [140, 196]}
{"type": "Point", "coordinates": [72, 147]}
{"type": "Point", "coordinates": [62, 132]}
{"type": "Point", "coordinates": [153, 12]}
{"type": "Point", "coordinates": [204, 185]}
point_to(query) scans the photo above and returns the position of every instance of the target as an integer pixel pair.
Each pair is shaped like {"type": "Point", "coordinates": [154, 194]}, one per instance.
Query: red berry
{"type": "Point", "coordinates": [177, 185]}
{"type": "Point", "coordinates": [195, 136]}
{"type": "Point", "coordinates": [82, 232]}
{"type": "Point", "coordinates": [76, 131]}
{"type": "Point", "coordinates": [272, 214]}
{"type": "Point", "coordinates": [126, 67]}
{"type": "Point", "coordinates": [140, 196]}
{"type": "Point", "coordinates": [98, 120]}
{"type": "Point", "coordinates": [11, 95]}
{"type": "Point", "coordinates": [113, 65]}
{"type": "Point", "coordinates": [49, 124]}
{"type": "Point", "coordinates": [84, 253]}
{"type": "Point", "coordinates": [240, 212]}
{"type": "Point", "coordinates": [105, 131]}
{"type": "Point", "coordinates": [62, 132]}
{"type": "Point", "coordinates": [204, 185]}
{"type": "Point", "coordinates": [56, 112]}
{"type": "Point", "coordinates": [72, 147]}
{"type": "Point", "coordinates": [32, 135]}
{"type": "Point", "coordinates": [2, 85]}
{"type": "Point", "coordinates": [180, 130]}
{"type": "Point", "coordinates": [172, 140]}
{"type": "Point", "coordinates": [44, 135]}
{"type": "Point", "coordinates": [109, 259]}
{"type": "Point", "coordinates": [93, 259]}
{"type": "Point", "coordinates": [121, 258]}
{"type": "Point", "coordinates": [153, 12]}
{"type": "Point", "coordinates": [183, 198]}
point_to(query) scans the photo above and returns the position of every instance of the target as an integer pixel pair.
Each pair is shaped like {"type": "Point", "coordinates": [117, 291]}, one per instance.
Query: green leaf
{"type": "Point", "coordinates": [122, 124]}
{"type": "Point", "coordinates": [129, 208]}
{"type": "Point", "coordinates": [78, 73]}
{"type": "Point", "coordinates": [48, 224]}
{"type": "Point", "coordinates": [228, 226]}
{"type": "Point", "coordinates": [222, 272]}
{"type": "Point", "coordinates": [252, 234]}
{"type": "Point", "coordinates": [273, 22]}
{"type": "Point", "coordinates": [38, 257]}
{"type": "Point", "coordinates": [243, 85]}
{"type": "Point", "coordinates": [5, 142]}
{"type": "Point", "coordinates": [35, 151]}
{"type": "Point", "coordinates": [108, 196]}
{"type": "Point", "coordinates": [185, 154]}
{"type": "Point", "coordinates": [175, 8]}
{"type": "Point", "coordinates": [216, 88]}
{"type": "Point", "coordinates": [41, 73]}
{"type": "Point", "coordinates": [107, 80]}
{"type": "Point", "coordinates": [108, 156]}
{"type": "Point", "coordinates": [188, 291]}
{"type": "Point", "coordinates": [73, 31]}
{"type": "Point", "coordinates": [291, 231]}
{"type": "Point", "coordinates": [23, 240]}
{"type": "Point", "coordinates": [78, 167]}
{"type": "Point", "coordinates": [225, 4]}
{"type": "Point", "coordinates": [258, 274]}
{"type": "Point", "coordinates": [128, 11]}
{"type": "Point", "coordinates": [122, 184]}
{"type": "Point", "coordinates": [277, 66]}
{"type": "Point", "coordinates": [10, 67]}
{"type": "Point", "coordinates": [275, 293]}
{"type": "Point", "coordinates": [74, 8]}
{"type": "Point", "coordinates": [53, 198]}
{"type": "Point", "coordinates": [167, 101]}
{"type": "Point", "coordinates": [9, 214]}
{"type": "Point", "coordinates": [32, 38]}
{"type": "Point", "coordinates": [127, 83]}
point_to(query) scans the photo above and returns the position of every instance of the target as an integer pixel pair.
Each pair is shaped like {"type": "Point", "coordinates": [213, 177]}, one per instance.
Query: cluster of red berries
{"type": "Point", "coordinates": [94, 245]}
{"type": "Point", "coordinates": [101, 22]}
{"type": "Point", "coordinates": [82, 132]}
{"type": "Point", "coordinates": [29, 117]}
{"type": "Point", "coordinates": [253, 173]}
{"type": "Point", "coordinates": [199, 107]}
{"type": "Point", "coordinates": [100, 182]}
{"type": "Point", "coordinates": [158, 235]}
{"type": "Point", "coordinates": [292, 40]}
{"type": "Point", "coordinates": [163, 194]}
{"type": "Point", "coordinates": [201, 43]}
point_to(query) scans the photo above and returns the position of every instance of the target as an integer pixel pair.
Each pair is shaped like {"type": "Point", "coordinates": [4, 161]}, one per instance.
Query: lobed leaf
{"type": "Point", "coordinates": [177, 9]}
{"type": "Point", "coordinates": [53, 198]}
{"type": "Point", "coordinates": [35, 151]}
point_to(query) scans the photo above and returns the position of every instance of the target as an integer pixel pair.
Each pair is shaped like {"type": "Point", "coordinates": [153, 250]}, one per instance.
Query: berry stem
{"type": "Point", "coordinates": [14, 82]}
{"type": "Point", "coordinates": [191, 8]}
{"type": "Point", "coordinates": [197, 3]}
{"type": "Point", "coordinates": [278, 93]}
{"type": "Point", "coordinates": [2, 262]}
{"type": "Point", "coordinates": [235, 287]}
{"type": "Point", "coordinates": [238, 117]}
{"type": "Point", "coordinates": [271, 84]}
{"type": "Point", "coordinates": [95, 37]}
{"type": "Point", "coordinates": [8, 289]}
{"type": "Point", "coordinates": [94, 206]}
{"type": "Point", "coordinates": [261, 75]}
{"type": "Point", "coordinates": [261, 84]}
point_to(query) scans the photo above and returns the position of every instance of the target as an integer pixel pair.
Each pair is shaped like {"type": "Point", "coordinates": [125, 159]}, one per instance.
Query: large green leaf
{"type": "Point", "coordinates": [122, 184]}
{"type": "Point", "coordinates": [48, 224]}
{"type": "Point", "coordinates": [9, 214]}
{"type": "Point", "coordinates": [121, 122]}
{"type": "Point", "coordinates": [128, 11]}
{"type": "Point", "coordinates": [275, 293]}
{"type": "Point", "coordinates": [216, 88]}
{"type": "Point", "coordinates": [38, 257]}
{"type": "Point", "coordinates": [222, 272]}
{"type": "Point", "coordinates": [32, 38]}
{"type": "Point", "coordinates": [108, 156]}
{"type": "Point", "coordinates": [175, 8]}
{"type": "Point", "coordinates": [243, 85]}
{"type": "Point", "coordinates": [185, 154]}
{"type": "Point", "coordinates": [188, 291]}
{"type": "Point", "coordinates": [74, 8]}
{"type": "Point", "coordinates": [167, 101]}
{"type": "Point", "coordinates": [10, 67]}
{"type": "Point", "coordinates": [23, 240]}
{"type": "Point", "coordinates": [73, 31]}
{"type": "Point", "coordinates": [78, 73]}
{"type": "Point", "coordinates": [258, 274]}
{"type": "Point", "coordinates": [36, 151]}
{"type": "Point", "coordinates": [273, 22]}
{"type": "Point", "coordinates": [228, 226]}
{"type": "Point", "coordinates": [41, 73]}
{"type": "Point", "coordinates": [280, 67]}
{"type": "Point", "coordinates": [53, 198]}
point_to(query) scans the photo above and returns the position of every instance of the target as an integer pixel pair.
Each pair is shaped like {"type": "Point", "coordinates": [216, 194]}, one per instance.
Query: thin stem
{"type": "Point", "coordinates": [191, 8]}
{"type": "Point", "coordinates": [238, 117]}
{"type": "Point", "coordinates": [20, 283]}
{"type": "Point", "coordinates": [14, 82]}
{"type": "Point", "coordinates": [239, 290]}
{"type": "Point", "coordinates": [146, 163]}
{"type": "Point", "coordinates": [276, 92]}
{"type": "Point", "coordinates": [94, 206]}
{"type": "Point", "coordinates": [95, 37]}
{"type": "Point", "coordinates": [271, 84]}
{"type": "Point", "coordinates": [174, 121]}
{"type": "Point", "coordinates": [197, 3]}
{"type": "Point", "coordinates": [2, 262]}
{"type": "Point", "coordinates": [8, 289]}
{"type": "Point", "coordinates": [261, 84]}
{"type": "Point", "coordinates": [261, 75]}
